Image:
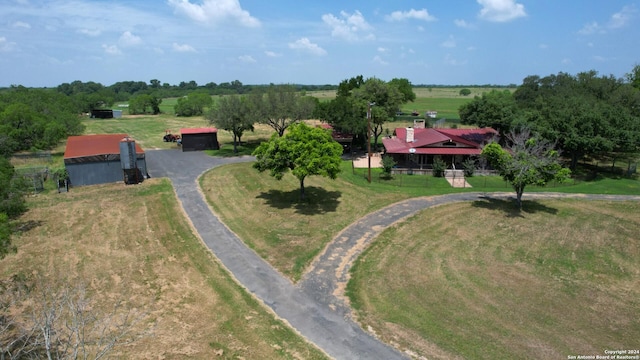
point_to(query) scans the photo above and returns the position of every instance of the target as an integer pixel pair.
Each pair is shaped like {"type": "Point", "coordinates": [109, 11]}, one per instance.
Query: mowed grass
{"type": "Point", "coordinates": [269, 217]}
{"type": "Point", "coordinates": [479, 280]}
{"type": "Point", "coordinates": [133, 244]}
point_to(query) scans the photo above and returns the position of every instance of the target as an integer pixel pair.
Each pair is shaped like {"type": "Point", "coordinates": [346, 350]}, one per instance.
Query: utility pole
{"type": "Point", "coordinates": [369, 138]}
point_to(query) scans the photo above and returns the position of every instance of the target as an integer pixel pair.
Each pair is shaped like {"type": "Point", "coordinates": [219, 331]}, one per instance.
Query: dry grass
{"type": "Point", "coordinates": [133, 243]}
{"type": "Point", "coordinates": [477, 280]}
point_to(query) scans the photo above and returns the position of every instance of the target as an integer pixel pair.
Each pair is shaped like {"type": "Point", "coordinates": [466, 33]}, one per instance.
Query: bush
{"type": "Point", "coordinates": [439, 167]}
{"type": "Point", "coordinates": [387, 164]}
{"type": "Point", "coordinates": [469, 167]}
{"type": "Point", "coordinates": [465, 92]}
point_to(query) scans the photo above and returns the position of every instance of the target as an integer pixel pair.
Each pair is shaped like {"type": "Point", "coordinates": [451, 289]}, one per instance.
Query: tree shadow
{"type": "Point", "coordinates": [317, 200]}
{"type": "Point", "coordinates": [510, 207]}
{"type": "Point", "coordinates": [24, 226]}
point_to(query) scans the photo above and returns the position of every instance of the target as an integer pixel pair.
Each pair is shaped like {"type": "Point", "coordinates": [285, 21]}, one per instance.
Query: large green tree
{"type": "Point", "coordinates": [382, 99]}
{"type": "Point", "coordinates": [348, 111]}
{"type": "Point", "coordinates": [193, 104]}
{"type": "Point", "coordinates": [144, 104]}
{"type": "Point", "coordinates": [282, 105]}
{"type": "Point", "coordinates": [233, 113]}
{"type": "Point", "coordinates": [303, 150]}
{"type": "Point", "coordinates": [35, 119]}
{"type": "Point", "coordinates": [525, 160]}
{"type": "Point", "coordinates": [495, 109]}
{"type": "Point", "coordinates": [585, 114]}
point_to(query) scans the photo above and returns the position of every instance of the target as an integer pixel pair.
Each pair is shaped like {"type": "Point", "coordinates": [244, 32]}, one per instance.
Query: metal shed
{"type": "Point", "coordinates": [194, 139]}
{"type": "Point", "coordinates": [95, 159]}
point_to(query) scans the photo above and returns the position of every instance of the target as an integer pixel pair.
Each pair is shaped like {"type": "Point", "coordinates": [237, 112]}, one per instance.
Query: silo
{"type": "Point", "coordinates": [128, 161]}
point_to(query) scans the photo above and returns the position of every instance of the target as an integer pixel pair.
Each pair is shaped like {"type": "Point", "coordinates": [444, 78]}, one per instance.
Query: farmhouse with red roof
{"type": "Point", "coordinates": [417, 147]}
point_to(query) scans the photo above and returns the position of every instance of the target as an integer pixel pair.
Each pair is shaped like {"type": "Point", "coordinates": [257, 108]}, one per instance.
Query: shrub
{"type": "Point", "coordinates": [439, 166]}
{"type": "Point", "coordinates": [469, 167]}
{"type": "Point", "coordinates": [387, 164]}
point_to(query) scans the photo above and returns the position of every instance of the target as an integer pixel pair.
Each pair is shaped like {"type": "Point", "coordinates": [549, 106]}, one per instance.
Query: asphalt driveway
{"type": "Point", "coordinates": [316, 306]}
{"type": "Point", "coordinates": [333, 332]}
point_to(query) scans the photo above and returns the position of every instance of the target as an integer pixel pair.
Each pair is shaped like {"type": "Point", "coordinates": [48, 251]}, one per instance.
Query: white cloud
{"type": "Point", "coordinates": [183, 48]}
{"type": "Point", "coordinates": [450, 60]}
{"type": "Point", "coordinates": [382, 50]}
{"type": "Point", "coordinates": [246, 59]}
{"type": "Point", "coordinates": [128, 39]}
{"type": "Point", "coordinates": [566, 61]}
{"type": "Point", "coordinates": [501, 10]}
{"type": "Point", "coordinates": [21, 24]}
{"type": "Point", "coordinates": [449, 43]}
{"type": "Point", "coordinates": [591, 28]}
{"type": "Point", "coordinates": [111, 49]}
{"type": "Point", "coordinates": [378, 60]}
{"type": "Point", "coordinates": [617, 20]}
{"type": "Point", "coordinates": [6, 46]}
{"type": "Point", "coordinates": [621, 18]}
{"type": "Point", "coordinates": [272, 54]}
{"type": "Point", "coordinates": [411, 14]}
{"type": "Point", "coordinates": [543, 46]}
{"type": "Point", "coordinates": [215, 12]}
{"type": "Point", "coordinates": [305, 45]}
{"type": "Point", "coordinates": [460, 23]}
{"type": "Point", "coordinates": [90, 32]}
{"type": "Point", "coordinates": [351, 27]}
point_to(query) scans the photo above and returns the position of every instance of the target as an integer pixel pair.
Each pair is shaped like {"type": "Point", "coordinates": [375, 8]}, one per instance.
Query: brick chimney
{"type": "Point", "coordinates": [410, 137]}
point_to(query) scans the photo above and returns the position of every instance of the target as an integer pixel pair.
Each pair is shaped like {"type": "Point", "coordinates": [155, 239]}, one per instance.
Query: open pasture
{"type": "Point", "coordinates": [133, 244]}
{"type": "Point", "coordinates": [480, 280]}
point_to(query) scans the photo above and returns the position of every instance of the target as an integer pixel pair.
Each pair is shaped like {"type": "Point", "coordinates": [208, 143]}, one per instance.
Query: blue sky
{"type": "Point", "coordinates": [452, 42]}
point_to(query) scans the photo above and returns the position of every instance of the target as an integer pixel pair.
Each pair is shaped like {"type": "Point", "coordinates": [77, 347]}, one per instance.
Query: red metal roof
{"type": "Point", "coordinates": [208, 130]}
{"type": "Point", "coordinates": [432, 141]}
{"type": "Point", "coordinates": [91, 145]}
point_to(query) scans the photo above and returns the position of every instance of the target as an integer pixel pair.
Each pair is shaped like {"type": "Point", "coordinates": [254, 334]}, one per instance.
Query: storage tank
{"type": "Point", "coordinates": [129, 161]}
{"type": "Point", "coordinates": [128, 154]}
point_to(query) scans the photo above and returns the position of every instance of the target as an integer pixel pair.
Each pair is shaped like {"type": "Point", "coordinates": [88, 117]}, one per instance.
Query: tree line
{"type": "Point", "coordinates": [586, 115]}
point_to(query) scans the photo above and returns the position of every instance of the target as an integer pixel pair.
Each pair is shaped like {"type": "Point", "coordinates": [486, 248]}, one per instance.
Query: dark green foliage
{"type": "Point", "coordinates": [233, 113]}
{"type": "Point", "coordinates": [279, 106]}
{"type": "Point", "coordinates": [144, 104]}
{"type": "Point", "coordinates": [303, 150]}
{"type": "Point", "coordinates": [35, 119]}
{"type": "Point", "coordinates": [12, 204]}
{"type": "Point", "coordinates": [439, 167]}
{"type": "Point", "coordinates": [465, 92]}
{"type": "Point", "coordinates": [193, 104]}
{"type": "Point", "coordinates": [387, 164]}
{"type": "Point", "coordinates": [12, 190]}
{"type": "Point", "coordinates": [5, 237]}
{"type": "Point", "coordinates": [585, 114]}
{"type": "Point", "coordinates": [527, 160]}
{"type": "Point", "coordinates": [469, 167]}
{"type": "Point", "coordinates": [496, 109]}
{"type": "Point", "coordinates": [347, 113]}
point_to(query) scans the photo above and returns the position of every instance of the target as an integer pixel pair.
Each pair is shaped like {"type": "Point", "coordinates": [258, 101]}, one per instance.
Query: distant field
{"type": "Point", "coordinates": [479, 281]}
{"type": "Point", "coordinates": [445, 100]}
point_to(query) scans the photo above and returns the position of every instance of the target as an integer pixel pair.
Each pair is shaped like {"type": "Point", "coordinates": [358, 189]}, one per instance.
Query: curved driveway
{"type": "Point", "coordinates": [315, 307]}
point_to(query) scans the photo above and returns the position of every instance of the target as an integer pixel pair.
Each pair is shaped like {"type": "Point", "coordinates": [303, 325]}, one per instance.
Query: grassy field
{"type": "Point", "coordinates": [268, 216]}
{"type": "Point", "coordinates": [481, 281]}
{"type": "Point", "coordinates": [165, 260]}
{"type": "Point", "coordinates": [132, 243]}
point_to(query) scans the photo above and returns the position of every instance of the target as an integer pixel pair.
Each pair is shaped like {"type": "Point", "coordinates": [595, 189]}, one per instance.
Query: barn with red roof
{"type": "Point", "coordinates": [417, 147]}
{"type": "Point", "coordinates": [96, 159]}
{"type": "Point", "coordinates": [193, 139]}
